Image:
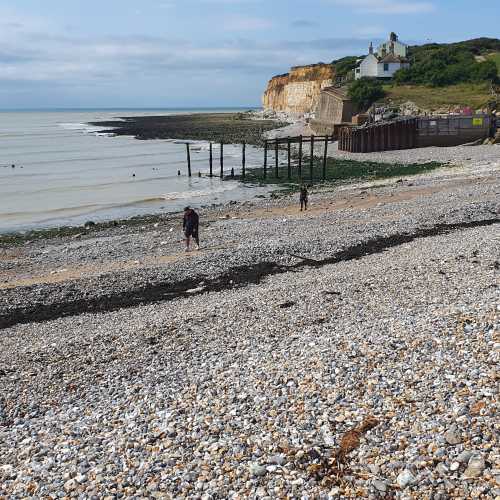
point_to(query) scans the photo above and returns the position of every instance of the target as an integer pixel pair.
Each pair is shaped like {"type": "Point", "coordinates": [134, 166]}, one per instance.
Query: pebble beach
{"type": "Point", "coordinates": [131, 369]}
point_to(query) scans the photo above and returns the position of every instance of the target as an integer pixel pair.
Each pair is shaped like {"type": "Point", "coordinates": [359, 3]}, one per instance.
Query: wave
{"type": "Point", "coordinates": [60, 212]}
{"type": "Point", "coordinates": [9, 215]}
{"type": "Point", "coordinates": [87, 128]}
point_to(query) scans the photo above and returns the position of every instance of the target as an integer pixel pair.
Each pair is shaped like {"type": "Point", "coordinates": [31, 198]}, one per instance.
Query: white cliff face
{"type": "Point", "coordinates": [297, 93]}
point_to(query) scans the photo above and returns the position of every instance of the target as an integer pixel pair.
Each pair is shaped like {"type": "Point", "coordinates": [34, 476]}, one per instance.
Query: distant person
{"type": "Point", "coordinates": [304, 197]}
{"type": "Point", "coordinates": [190, 226]}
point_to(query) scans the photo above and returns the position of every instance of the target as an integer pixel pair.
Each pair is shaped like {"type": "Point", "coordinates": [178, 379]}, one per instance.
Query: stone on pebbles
{"type": "Point", "coordinates": [405, 478]}
{"type": "Point", "coordinates": [475, 467]}
{"type": "Point", "coordinates": [257, 470]}
{"type": "Point", "coordinates": [452, 436]}
{"type": "Point", "coordinates": [380, 485]}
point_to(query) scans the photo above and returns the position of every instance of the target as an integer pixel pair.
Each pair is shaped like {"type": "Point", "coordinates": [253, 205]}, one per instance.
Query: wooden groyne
{"type": "Point", "coordinates": [272, 147]}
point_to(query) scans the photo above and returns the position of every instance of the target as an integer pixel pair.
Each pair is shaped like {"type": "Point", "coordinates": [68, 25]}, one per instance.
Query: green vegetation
{"type": "Point", "coordinates": [439, 65]}
{"type": "Point", "coordinates": [495, 56]}
{"type": "Point", "coordinates": [365, 91]}
{"type": "Point", "coordinates": [337, 171]}
{"type": "Point", "coordinates": [20, 238]}
{"type": "Point", "coordinates": [475, 95]}
{"type": "Point", "coordinates": [345, 65]}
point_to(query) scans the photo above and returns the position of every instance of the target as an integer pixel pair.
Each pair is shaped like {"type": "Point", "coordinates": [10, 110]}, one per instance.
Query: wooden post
{"type": "Point", "coordinates": [243, 160]}
{"type": "Point", "coordinates": [311, 160]}
{"type": "Point", "coordinates": [289, 165]}
{"type": "Point", "coordinates": [221, 160]}
{"type": "Point", "coordinates": [211, 161]}
{"type": "Point", "coordinates": [325, 154]}
{"type": "Point", "coordinates": [300, 157]}
{"type": "Point", "coordinates": [265, 158]}
{"type": "Point", "coordinates": [188, 159]}
{"type": "Point", "coordinates": [276, 159]}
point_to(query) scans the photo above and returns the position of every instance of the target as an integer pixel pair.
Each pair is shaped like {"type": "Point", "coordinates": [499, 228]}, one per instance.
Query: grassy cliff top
{"type": "Point", "coordinates": [475, 95]}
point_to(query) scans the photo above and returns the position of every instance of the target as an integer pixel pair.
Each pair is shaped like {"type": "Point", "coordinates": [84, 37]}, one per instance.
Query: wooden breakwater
{"type": "Point", "coordinates": [271, 161]}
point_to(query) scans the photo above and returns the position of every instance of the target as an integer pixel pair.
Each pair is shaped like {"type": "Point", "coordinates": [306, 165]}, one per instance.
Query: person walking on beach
{"type": "Point", "coordinates": [190, 225]}
{"type": "Point", "coordinates": [304, 196]}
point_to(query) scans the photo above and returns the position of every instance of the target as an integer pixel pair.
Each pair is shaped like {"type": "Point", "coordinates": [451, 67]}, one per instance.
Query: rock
{"type": "Point", "coordinates": [452, 437]}
{"type": "Point", "coordinates": [475, 466]}
{"type": "Point", "coordinates": [380, 485]}
{"type": "Point", "coordinates": [405, 478]}
{"type": "Point", "coordinates": [81, 478]}
{"type": "Point", "coordinates": [464, 457]}
{"type": "Point", "coordinates": [70, 485]}
{"type": "Point", "coordinates": [374, 469]}
{"type": "Point", "coordinates": [455, 466]}
{"type": "Point", "coordinates": [441, 469]}
{"type": "Point", "coordinates": [261, 492]}
{"type": "Point", "coordinates": [277, 460]}
{"type": "Point", "coordinates": [257, 470]}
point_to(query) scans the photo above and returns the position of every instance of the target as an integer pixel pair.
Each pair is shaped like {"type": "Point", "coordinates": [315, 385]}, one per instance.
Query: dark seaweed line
{"type": "Point", "coordinates": [235, 277]}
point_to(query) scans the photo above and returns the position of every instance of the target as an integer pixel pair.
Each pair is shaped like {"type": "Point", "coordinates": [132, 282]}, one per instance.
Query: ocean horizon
{"type": "Point", "coordinates": [113, 109]}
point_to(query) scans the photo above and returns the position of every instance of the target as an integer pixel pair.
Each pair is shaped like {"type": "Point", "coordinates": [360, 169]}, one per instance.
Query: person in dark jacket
{"type": "Point", "coordinates": [190, 226]}
{"type": "Point", "coordinates": [304, 196]}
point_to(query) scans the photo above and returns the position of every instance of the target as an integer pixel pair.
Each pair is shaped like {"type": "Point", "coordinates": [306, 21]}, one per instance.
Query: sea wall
{"type": "Point", "coordinates": [297, 92]}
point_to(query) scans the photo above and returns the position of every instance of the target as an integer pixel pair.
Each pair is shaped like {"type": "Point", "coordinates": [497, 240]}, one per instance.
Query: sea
{"type": "Point", "coordinates": [56, 170]}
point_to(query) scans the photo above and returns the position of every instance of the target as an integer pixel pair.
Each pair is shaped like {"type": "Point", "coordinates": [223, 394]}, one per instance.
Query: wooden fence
{"type": "Point", "coordinates": [401, 134]}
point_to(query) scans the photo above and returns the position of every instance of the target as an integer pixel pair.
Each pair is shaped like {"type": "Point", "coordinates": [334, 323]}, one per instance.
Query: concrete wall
{"type": "Point", "coordinates": [334, 109]}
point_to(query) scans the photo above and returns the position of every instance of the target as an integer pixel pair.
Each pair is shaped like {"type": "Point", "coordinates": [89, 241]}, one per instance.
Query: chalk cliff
{"type": "Point", "coordinates": [297, 92]}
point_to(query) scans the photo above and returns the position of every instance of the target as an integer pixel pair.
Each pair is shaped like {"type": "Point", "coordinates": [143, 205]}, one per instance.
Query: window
{"type": "Point", "coordinates": [358, 70]}
{"type": "Point", "coordinates": [386, 67]}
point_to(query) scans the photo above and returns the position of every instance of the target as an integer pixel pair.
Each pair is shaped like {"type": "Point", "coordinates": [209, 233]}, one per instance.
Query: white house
{"type": "Point", "coordinates": [391, 57]}
{"type": "Point", "coordinates": [394, 46]}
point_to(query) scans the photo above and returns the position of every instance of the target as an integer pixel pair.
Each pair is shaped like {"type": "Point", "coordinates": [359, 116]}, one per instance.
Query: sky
{"type": "Point", "coordinates": [200, 53]}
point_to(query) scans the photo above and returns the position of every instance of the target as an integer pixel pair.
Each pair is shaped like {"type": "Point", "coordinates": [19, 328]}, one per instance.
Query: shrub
{"type": "Point", "coordinates": [486, 70]}
{"type": "Point", "coordinates": [345, 65]}
{"type": "Point", "coordinates": [365, 91]}
{"type": "Point", "coordinates": [448, 65]}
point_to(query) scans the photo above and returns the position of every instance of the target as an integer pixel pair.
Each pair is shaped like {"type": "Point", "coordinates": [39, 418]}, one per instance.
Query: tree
{"type": "Point", "coordinates": [365, 91]}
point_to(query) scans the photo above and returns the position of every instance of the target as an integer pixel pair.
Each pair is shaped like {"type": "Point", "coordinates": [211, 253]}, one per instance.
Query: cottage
{"type": "Point", "coordinates": [391, 57]}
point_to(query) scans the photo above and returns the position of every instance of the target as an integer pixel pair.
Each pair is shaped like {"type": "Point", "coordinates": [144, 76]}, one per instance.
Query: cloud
{"type": "Point", "coordinates": [388, 6]}
{"type": "Point", "coordinates": [370, 31]}
{"type": "Point", "coordinates": [244, 23]}
{"type": "Point", "coordinates": [43, 65]}
{"type": "Point", "coordinates": [304, 23]}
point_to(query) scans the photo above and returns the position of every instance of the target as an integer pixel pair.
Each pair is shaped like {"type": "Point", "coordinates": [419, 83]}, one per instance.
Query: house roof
{"type": "Point", "coordinates": [391, 58]}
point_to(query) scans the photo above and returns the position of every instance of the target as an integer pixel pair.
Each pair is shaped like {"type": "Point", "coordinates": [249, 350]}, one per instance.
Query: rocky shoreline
{"type": "Point", "coordinates": [347, 351]}
{"type": "Point", "coordinates": [229, 128]}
